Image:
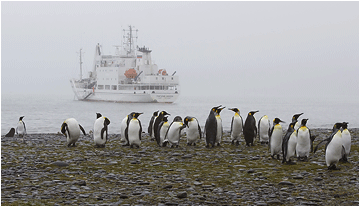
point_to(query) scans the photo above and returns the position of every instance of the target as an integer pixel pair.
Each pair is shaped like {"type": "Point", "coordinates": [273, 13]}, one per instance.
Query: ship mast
{"type": "Point", "coordinates": [128, 41]}
{"type": "Point", "coordinates": [80, 64]}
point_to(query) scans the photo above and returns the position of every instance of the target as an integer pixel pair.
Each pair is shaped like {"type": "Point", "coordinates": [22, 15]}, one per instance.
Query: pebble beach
{"type": "Point", "coordinates": [40, 169]}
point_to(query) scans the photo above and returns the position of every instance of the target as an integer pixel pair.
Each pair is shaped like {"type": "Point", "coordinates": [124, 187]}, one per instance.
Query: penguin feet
{"type": "Point", "coordinates": [233, 142]}
{"type": "Point", "coordinates": [333, 167]}
{"type": "Point", "coordinates": [207, 146]}
{"type": "Point", "coordinates": [237, 143]}
{"type": "Point", "coordinates": [218, 144]}
{"type": "Point", "coordinates": [127, 144]}
{"type": "Point", "coordinates": [290, 162]}
{"type": "Point", "coordinates": [303, 159]}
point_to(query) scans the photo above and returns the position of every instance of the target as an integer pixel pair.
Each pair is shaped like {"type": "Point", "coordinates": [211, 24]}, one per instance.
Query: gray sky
{"type": "Point", "coordinates": [229, 48]}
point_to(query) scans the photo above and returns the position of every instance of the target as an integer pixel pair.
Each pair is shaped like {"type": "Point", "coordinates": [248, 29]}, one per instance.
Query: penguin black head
{"type": "Point", "coordinates": [98, 115]}
{"type": "Point", "coordinates": [155, 113]}
{"type": "Point", "coordinates": [186, 120]}
{"type": "Point", "coordinates": [165, 119]}
{"type": "Point", "coordinates": [291, 126]}
{"type": "Point", "coordinates": [106, 121]}
{"type": "Point", "coordinates": [303, 122]}
{"type": "Point", "coordinates": [296, 116]}
{"type": "Point", "coordinates": [164, 113]}
{"type": "Point", "coordinates": [21, 117]}
{"type": "Point", "coordinates": [251, 113]}
{"type": "Point", "coordinates": [63, 128]}
{"type": "Point", "coordinates": [218, 110]}
{"type": "Point", "coordinates": [177, 119]}
{"type": "Point", "coordinates": [277, 121]}
{"type": "Point", "coordinates": [136, 115]}
{"type": "Point", "coordinates": [345, 125]}
{"type": "Point", "coordinates": [236, 110]}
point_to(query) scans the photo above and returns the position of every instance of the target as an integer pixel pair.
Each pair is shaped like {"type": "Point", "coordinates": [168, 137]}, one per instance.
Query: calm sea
{"type": "Point", "coordinates": [45, 114]}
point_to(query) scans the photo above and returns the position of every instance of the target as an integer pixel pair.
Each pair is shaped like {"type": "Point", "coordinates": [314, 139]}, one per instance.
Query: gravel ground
{"type": "Point", "coordinates": [41, 170]}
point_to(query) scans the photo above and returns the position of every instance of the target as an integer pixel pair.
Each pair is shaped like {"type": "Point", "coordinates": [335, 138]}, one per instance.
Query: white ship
{"type": "Point", "coordinates": [127, 76]}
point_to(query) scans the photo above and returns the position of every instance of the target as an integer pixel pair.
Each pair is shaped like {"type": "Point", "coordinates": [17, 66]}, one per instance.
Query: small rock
{"type": "Point", "coordinates": [251, 171]}
{"type": "Point", "coordinates": [318, 179]}
{"type": "Point", "coordinates": [60, 164]}
{"type": "Point", "coordinates": [167, 186]}
{"type": "Point", "coordinates": [182, 195]}
{"type": "Point", "coordinates": [286, 183]}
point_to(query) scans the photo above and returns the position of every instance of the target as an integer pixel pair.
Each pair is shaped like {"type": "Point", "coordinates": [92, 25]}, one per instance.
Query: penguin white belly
{"type": "Point", "coordinates": [297, 126]}
{"type": "Point", "coordinates": [276, 141]}
{"type": "Point", "coordinates": [163, 131]}
{"type": "Point", "coordinates": [74, 129]}
{"type": "Point", "coordinates": [192, 133]}
{"type": "Point", "coordinates": [20, 129]}
{"type": "Point", "coordinates": [133, 132]}
{"type": "Point", "coordinates": [346, 138]}
{"type": "Point", "coordinates": [236, 128]}
{"type": "Point", "coordinates": [219, 130]}
{"type": "Point", "coordinates": [303, 145]}
{"type": "Point", "coordinates": [264, 130]}
{"type": "Point", "coordinates": [333, 150]}
{"type": "Point", "coordinates": [173, 134]}
{"type": "Point", "coordinates": [122, 128]}
{"type": "Point", "coordinates": [98, 126]}
{"type": "Point", "coordinates": [291, 146]}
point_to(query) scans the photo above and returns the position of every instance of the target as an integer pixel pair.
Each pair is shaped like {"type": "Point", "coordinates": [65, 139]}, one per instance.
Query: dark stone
{"type": "Point", "coordinates": [167, 186]}
{"type": "Point", "coordinates": [182, 195]}
{"type": "Point", "coordinates": [318, 179]}
{"type": "Point", "coordinates": [286, 183]}
{"type": "Point", "coordinates": [60, 164]}
{"type": "Point", "coordinates": [79, 182]}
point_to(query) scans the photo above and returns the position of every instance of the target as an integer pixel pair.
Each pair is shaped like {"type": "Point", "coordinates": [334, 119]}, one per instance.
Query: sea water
{"type": "Point", "coordinates": [46, 113]}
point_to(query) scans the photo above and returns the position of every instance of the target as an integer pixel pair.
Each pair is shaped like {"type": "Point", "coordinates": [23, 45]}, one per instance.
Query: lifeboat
{"type": "Point", "coordinates": [162, 72]}
{"type": "Point", "coordinates": [131, 73]}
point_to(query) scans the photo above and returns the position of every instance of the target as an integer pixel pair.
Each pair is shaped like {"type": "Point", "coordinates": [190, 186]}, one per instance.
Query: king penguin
{"type": "Point", "coordinates": [71, 129]}
{"type": "Point", "coordinates": [193, 131]}
{"type": "Point", "coordinates": [236, 126]}
{"type": "Point", "coordinates": [133, 130]}
{"type": "Point", "coordinates": [163, 127]}
{"type": "Point", "coordinates": [264, 129]}
{"type": "Point", "coordinates": [219, 131]}
{"type": "Point", "coordinates": [289, 144]}
{"type": "Point", "coordinates": [156, 126]}
{"type": "Point", "coordinates": [295, 120]}
{"type": "Point", "coordinates": [151, 125]}
{"type": "Point", "coordinates": [250, 130]}
{"type": "Point", "coordinates": [334, 149]}
{"type": "Point", "coordinates": [304, 141]}
{"type": "Point", "coordinates": [101, 131]}
{"type": "Point", "coordinates": [346, 138]}
{"type": "Point", "coordinates": [275, 138]}
{"type": "Point", "coordinates": [21, 129]}
{"type": "Point", "coordinates": [211, 128]}
{"type": "Point", "coordinates": [174, 132]}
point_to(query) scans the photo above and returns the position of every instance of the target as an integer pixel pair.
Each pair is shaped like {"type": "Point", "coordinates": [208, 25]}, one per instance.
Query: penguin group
{"type": "Point", "coordinates": [296, 142]}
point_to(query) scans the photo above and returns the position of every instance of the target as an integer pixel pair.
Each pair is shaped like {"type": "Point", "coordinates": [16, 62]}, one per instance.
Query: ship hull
{"type": "Point", "coordinates": [126, 96]}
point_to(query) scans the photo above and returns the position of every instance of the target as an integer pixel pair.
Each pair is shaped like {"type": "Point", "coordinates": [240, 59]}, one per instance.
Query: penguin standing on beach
{"type": "Point", "coordinates": [289, 144]}
{"type": "Point", "coordinates": [193, 131]}
{"type": "Point", "coordinates": [101, 131]}
{"type": "Point", "coordinates": [295, 120]}
{"type": "Point", "coordinates": [174, 132]}
{"type": "Point", "coordinates": [346, 138]}
{"type": "Point", "coordinates": [133, 130]}
{"type": "Point", "coordinates": [157, 122]}
{"type": "Point", "coordinates": [219, 131]}
{"type": "Point", "coordinates": [71, 129]}
{"type": "Point", "coordinates": [264, 129]}
{"type": "Point", "coordinates": [334, 149]}
{"type": "Point", "coordinates": [250, 130]}
{"type": "Point", "coordinates": [163, 128]}
{"type": "Point", "coordinates": [21, 129]}
{"type": "Point", "coordinates": [304, 141]}
{"type": "Point", "coordinates": [275, 138]}
{"type": "Point", "coordinates": [211, 128]}
{"type": "Point", "coordinates": [236, 126]}
{"type": "Point", "coordinates": [151, 125]}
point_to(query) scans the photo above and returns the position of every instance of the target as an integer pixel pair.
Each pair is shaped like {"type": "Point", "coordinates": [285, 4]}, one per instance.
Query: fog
{"type": "Point", "coordinates": [282, 49]}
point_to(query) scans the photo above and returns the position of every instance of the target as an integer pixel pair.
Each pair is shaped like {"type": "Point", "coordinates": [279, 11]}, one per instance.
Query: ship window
{"type": "Point", "coordinates": [172, 78]}
{"type": "Point", "coordinates": [163, 78]}
{"type": "Point", "coordinates": [100, 87]}
{"type": "Point", "coordinates": [107, 87]}
{"type": "Point", "coordinates": [114, 87]}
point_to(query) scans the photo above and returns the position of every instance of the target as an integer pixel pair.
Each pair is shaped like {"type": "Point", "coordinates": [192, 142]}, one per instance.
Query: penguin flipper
{"type": "Point", "coordinates": [232, 121]}
{"type": "Point", "coordinates": [323, 142]}
{"type": "Point", "coordinates": [140, 131]}
{"type": "Point", "coordinates": [102, 132]}
{"type": "Point", "coordinates": [199, 129]}
{"type": "Point", "coordinates": [126, 133]}
{"type": "Point", "coordinates": [82, 129]}
{"type": "Point", "coordinates": [24, 127]}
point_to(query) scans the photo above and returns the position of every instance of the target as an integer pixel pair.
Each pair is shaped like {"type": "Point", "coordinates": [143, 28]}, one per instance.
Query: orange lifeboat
{"type": "Point", "coordinates": [162, 72]}
{"type": "Point", "coordinates": [131, 73]}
